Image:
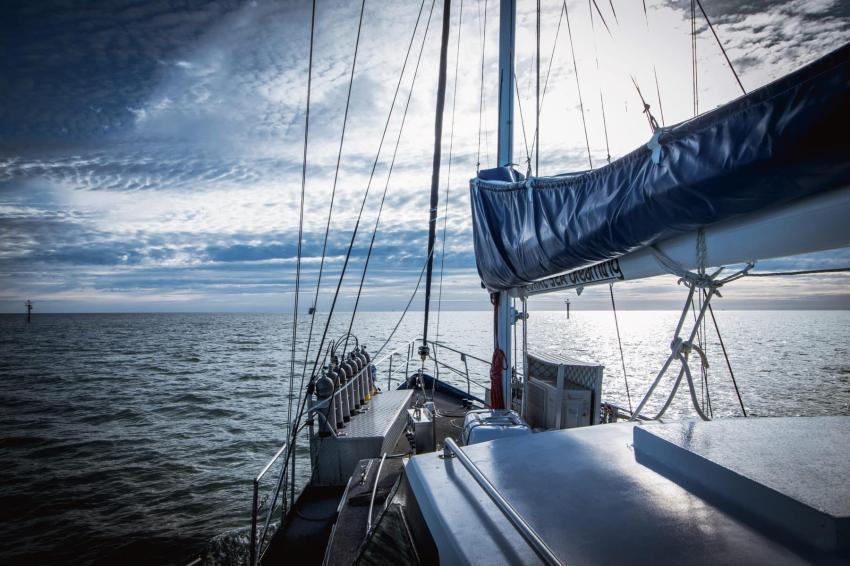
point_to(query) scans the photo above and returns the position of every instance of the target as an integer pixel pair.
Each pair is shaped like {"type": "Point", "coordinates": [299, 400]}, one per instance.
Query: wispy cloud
{"type": "Point", "coordinates": [150, 155]}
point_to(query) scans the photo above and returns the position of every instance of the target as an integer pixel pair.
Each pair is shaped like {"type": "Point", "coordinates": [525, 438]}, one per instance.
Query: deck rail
{"type": "Point", "coordinates": [452, 450]}
{"type": "Point", "coordinates": [396, 366]}
{"type": "Point", "coordinates": [404, 361]}
{"type": "Point", "coordinates": [259, 545]}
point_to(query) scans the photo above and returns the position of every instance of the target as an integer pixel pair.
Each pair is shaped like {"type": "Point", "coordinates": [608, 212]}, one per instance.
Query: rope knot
{"type": "Point", "coordinates": [679, 346]}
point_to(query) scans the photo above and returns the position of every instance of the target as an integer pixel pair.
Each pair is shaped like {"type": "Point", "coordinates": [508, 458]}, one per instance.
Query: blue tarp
{"type": "Point", "coordinates": [780, 143]}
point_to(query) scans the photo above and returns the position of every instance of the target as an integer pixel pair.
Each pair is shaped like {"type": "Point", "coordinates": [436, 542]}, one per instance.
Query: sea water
{"type": "Point", "coordinates": [133, 438]}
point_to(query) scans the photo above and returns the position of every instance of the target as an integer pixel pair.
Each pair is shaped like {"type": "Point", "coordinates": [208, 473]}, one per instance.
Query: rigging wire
{"type": "Point", "coordinates": [548, 71]}
{"type": "Point", "coordinates": [404, 312]}
{"type": "Point", "coordinates": [515, 358]}
{"type": "Point", "coordinates": [368, 187]}
{"type": "Point", "coordinates": [804, 272]}
{"type": "Point", "coordinates": [483, 26]}
{"type": "Point", "coordinates": [537, 101]}
{"type": "Point", "coordinates": [694, 71]}
{"type": "Point", "coordinates": [284, 478]}
{"type": "Point", "coordinates": [654, 71]}
{"type": "Point", "coordinates": [658, 94]}
{"type": "Point", "coordinates": [601, 17]}
{"type": "Point", "coordinates": [301, 221]}
{"type": "Point", "coordinates": [599, 77]}
{"type": "Point", "coordinates": [449, 173]}
{"type": "Point", "coordinates": [726, 355]}
{"type": "Point", "coordinates": [702, 344]}
{"type": "Point", "coordinates": [578, 84]}
{"type": "Point", "coordinates": [620, 344]}
{"type": "Point", "coordinates": [722, 49]}
{"type": "Point", "coordinates": [703, 339]}
{"type": "Point", "coordinates": [333, 196]}
{"type": "Point", "coordinates": [613, 11]}
{"type": "Point", "coordinates": [653, 123]}
{"type": "Point", "coordinates": [522, 125]}
{"type": "Point", "coordinates": [351, 243]}
{"type": "Point", "coordinates": [389, 176]}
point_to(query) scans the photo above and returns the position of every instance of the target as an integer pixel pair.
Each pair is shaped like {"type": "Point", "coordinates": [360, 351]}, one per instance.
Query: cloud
{"type": "Point", "coordinates": [153, 150]}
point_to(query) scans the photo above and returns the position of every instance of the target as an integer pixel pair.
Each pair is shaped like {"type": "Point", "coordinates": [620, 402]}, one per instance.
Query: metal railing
{"type": "Point", "coordinates": [258, 546]}
{"type": "Point", "coordinates": [374, 493]}
{"type": "Point", "coordinates": [399, 362]}
{"type": "Point", "coordinates": [450, 449]}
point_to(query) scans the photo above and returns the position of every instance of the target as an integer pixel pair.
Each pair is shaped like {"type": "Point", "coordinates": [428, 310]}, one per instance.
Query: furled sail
{"type": "Point", "coordinates": [783, 142]}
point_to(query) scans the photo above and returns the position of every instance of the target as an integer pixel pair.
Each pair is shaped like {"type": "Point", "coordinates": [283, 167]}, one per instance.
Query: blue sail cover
{"type": "Point", "coordinates": [785, 141]}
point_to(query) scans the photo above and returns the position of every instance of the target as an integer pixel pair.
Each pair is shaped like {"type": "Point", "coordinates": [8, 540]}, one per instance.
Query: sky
{"type": "Point", "coordinates": [151, 151]}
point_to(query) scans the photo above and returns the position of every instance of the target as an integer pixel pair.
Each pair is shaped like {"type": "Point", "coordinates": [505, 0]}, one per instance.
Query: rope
{"type": "Point", "coordinates": [449, 173]}
{"type": "Point", "coordinates": [804, 272]}
{"type": "Point", "coordinates": [389, 174]}
{"type": "Point", "coordinates": [653, 123]}
{"type": "Point", "coordinates": [578, 85]}
{"type": "Point", "coordinates": [620, 344]}
{"type": "Point", "coordinates": [728, 363]}
{"type": "Point", "coordinates": [722, 49]}
{"type": "Point", "coordinates": [333, 195]}
{"type": "Point", "coordinates": [680, 350]}
{"type": "Point", "coordinates": [700, 280]}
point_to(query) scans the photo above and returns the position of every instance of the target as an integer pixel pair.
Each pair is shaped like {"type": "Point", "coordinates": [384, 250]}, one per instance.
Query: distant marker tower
{"type": "Point", "coordinates": [29, 311]}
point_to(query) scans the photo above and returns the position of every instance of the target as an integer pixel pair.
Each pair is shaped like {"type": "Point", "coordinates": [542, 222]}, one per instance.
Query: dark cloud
{"type": "Point", "coordinates": [776, 35]}
{"type": "Point", "coordinates": [733, 10]}
{"type": "Point", "coordinates": [70, 69]}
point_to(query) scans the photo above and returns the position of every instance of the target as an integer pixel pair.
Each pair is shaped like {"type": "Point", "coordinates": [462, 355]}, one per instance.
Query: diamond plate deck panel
{"type": "Point", "coordinates": [368, 435]}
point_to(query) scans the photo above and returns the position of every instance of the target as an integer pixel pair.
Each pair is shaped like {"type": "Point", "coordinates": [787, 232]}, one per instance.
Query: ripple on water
{"type": "Point", "coordinates": [128, 436]}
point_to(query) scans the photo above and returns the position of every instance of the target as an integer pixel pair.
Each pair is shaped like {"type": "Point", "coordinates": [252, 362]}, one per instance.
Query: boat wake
{"type": "Point", "coordinates": [231, 547]}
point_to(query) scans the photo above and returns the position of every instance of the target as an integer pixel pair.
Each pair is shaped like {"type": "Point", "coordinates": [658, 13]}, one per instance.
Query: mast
{"type": "Point", "coordinates": [435, 171]}
{"type": "Point", "coordinates": [507, 28]}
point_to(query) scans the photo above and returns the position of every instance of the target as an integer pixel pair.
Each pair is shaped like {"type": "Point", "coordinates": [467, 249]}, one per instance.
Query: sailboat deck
{"type": "Point", "coordinates": [330, 522]}
{"type": "Point", "coordinates": [592, 502]}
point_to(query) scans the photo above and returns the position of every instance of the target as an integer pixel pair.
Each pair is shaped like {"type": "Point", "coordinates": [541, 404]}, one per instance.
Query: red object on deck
{"type": "Point", "coordinates": [497, 371]}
